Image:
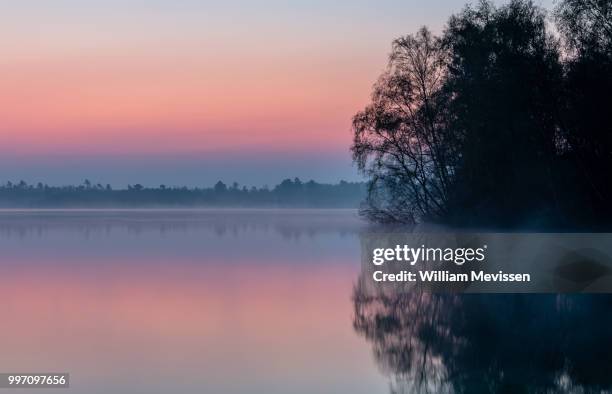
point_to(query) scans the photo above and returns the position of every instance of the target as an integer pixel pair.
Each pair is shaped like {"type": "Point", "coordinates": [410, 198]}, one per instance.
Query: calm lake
{"type": "Point", "coordinates": [266, 301]}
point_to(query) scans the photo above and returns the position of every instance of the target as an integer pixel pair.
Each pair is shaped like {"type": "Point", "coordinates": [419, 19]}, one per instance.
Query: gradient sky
{"type": "Point", "coordinates": [188, 92]}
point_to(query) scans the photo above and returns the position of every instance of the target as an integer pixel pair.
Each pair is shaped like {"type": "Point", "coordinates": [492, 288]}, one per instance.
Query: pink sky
{"type": "Point", "coordinates": [107, 81]}
{"type": "Point", "coordinates": [125, 101]}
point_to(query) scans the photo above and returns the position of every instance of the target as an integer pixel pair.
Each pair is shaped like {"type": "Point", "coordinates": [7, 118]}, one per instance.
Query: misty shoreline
{"type": "Point", "coordinates": [288, 194]}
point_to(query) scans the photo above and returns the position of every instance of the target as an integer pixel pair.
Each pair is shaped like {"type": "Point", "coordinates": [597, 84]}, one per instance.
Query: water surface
{"type": "Point", "coordinates": [265, 301]}
{"type": "Point", "coordinates": [184, 301]}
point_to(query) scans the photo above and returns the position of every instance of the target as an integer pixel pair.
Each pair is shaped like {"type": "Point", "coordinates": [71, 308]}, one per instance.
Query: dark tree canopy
{"type": "Point", "coordinates": [505, 77]}
{"type": "Point", "coordinates": [400, 140]}
{"type": "Point", "coordinates": [587, 115]}
{"type": "Point", "coordinates": [496, 122]}
{"type": "Point", "coordinates": [586, 24]}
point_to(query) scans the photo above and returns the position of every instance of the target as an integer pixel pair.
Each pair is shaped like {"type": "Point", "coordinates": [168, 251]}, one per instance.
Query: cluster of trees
{"type": "Point", "coordinates": [504, 119]}
{"type": "Point", "coordinates": [289, 193]}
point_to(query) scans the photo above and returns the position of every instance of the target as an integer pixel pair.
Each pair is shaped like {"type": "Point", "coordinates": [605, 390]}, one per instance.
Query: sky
{"type": "Point", "coordinates": [185, 92]}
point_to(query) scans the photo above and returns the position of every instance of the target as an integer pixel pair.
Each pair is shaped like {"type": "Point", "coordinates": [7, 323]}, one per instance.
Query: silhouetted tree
{"type": "Point", "coordinates": [220, 187]}
{"type": "Point", "coordinates": [586, 28]}
{"type": "Point", "coordinates": [492, 123]}
{"type": "Point", "coordinates": [505, 80]}
{"type": "Point", "coordinates": [401, 140]}
{"type": "Point", "coordinates": [586, 25]}
{"type": "Point", "coordinates": [290, 194]}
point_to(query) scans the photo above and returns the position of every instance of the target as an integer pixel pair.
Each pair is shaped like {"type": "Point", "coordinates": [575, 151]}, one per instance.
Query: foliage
{"type": "Point", "coordinates": [496, 122]}
{"type": "Point", "coordinates": [287, 194]}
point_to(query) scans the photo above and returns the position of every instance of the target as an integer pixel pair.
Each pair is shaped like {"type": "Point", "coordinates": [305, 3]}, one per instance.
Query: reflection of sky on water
{"type": "Point", "coordinates": [267, 302]}
{"type": "Point", "coordinates": [255, 302]}
{"type": "Point", "coordinates": [200, 236]}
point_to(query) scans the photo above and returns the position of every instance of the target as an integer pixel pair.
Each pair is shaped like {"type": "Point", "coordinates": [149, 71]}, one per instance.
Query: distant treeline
{"type": "Point", "coordinates": [289, 193]}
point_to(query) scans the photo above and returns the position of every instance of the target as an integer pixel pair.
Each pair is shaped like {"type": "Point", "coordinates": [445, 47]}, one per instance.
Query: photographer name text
{"type": "Point", "coordinates": [458, 256]}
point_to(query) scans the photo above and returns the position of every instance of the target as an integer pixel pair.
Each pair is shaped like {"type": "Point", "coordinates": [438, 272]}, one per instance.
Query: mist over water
{"type": "Point", "coordinates": [223, 301]}
{"type": "Point", "coordinates": [265, 301]}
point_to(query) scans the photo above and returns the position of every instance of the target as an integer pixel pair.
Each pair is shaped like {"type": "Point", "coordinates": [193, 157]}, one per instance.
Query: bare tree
{"type": "Point", "coordinates": [400, 139]}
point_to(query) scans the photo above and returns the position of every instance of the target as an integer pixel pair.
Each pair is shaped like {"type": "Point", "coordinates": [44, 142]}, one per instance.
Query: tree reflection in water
{"type": "Point", "coordinates": [480, 343]}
